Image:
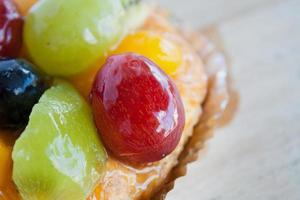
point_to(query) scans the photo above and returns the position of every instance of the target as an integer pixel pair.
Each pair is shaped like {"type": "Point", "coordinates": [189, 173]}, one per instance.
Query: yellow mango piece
{"type": "Point", "coordinates": [155, 46]}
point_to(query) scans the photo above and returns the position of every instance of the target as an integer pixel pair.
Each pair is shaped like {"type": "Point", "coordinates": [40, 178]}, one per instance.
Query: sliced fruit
{"type": "Point", "coordinates": [155, 46]}
{"type": "Point", "coordinates": [68, 37]}
{"type": "Point", "coordinates": [59, 155]}
{"type": "Point", "coordinates": [137, 109]}
{"type": "Point", "coordinates": [11, 28]}
{"type": "Point", "coordinates": [21, 87]}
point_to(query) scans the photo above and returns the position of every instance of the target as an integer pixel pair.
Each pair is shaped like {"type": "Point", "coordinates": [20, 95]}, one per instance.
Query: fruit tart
{"type": "Point", "coordinates": [98, 98]}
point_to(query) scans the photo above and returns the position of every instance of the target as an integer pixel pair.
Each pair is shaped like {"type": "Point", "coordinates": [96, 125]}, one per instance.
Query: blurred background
{"type": "Point", "coordinates": [256, 156]}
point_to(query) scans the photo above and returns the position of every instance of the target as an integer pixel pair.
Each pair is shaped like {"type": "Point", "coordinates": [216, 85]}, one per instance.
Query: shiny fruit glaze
{"type": "Point", "coordinates": [137, 109]}
{"type": "Point", "coordinates": [65, 38]}
{"type": "Point", "coordinates": [61, 144]}
{"type": "Point", "coordinates": [11, 26]}
{"type": "Point", "coordinates": [159, 47]}
{"type": "Point", "coordinates": [21, 86]}
{"type": "Point", "coordinates": [155, 46]}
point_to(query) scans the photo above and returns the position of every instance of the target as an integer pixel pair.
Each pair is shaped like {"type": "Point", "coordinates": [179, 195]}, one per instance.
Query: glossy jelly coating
{"type": "Point", "coordinates": [59, 155]}
{"type": "Point", "coordinates": [137, 109]}
{"type": "Point", "coordinates": [155, 46]}
{"type": "Point", "coordinates": [21, 86]}
{"type": "Point", "coordinates": [11, 27]}
{"type": "Point", "coordinates": [67, 37]}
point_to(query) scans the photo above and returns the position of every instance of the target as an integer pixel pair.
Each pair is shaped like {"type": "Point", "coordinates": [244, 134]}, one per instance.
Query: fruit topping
{"type": "Point", "coordinates": [21, 86]}
{"type": "Point", "coordinates": [11, 27]}
{"type": "Point", "coordinates": [137, 109]}
{"type": "Point", "coordinates": [67, 37]}
{"type": "Point", "coordinates": [59, 155]}
{"type": "Point", "coordinates": [155, 46]}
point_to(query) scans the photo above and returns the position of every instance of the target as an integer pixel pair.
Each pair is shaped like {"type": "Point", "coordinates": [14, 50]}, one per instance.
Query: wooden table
{"type": "Point", "coordinates": [257, 156]}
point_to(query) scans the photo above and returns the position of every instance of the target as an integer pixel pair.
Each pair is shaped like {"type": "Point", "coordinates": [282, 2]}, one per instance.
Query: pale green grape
{"type": "Point", "coordinates": [59, 155]}
{"type": "Point", "coordinates": [66, 37]}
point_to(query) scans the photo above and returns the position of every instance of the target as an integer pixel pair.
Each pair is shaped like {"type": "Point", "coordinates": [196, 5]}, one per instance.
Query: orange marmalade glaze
{"type": "Point", "coordinates": [145, 181]}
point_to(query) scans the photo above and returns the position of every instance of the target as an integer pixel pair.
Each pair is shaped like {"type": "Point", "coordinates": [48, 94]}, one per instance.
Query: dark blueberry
{"type": "Point", "coordinates": [21, 87]}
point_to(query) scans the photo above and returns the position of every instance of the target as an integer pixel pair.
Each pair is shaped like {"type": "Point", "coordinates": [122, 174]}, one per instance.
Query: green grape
{"type": "Point", "coordinates": [59, 155]}
{"type": "Point", "coordinates": [66, 37]}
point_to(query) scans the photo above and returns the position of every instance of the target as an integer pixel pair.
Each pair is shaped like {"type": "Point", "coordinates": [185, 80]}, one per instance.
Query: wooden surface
{"type": "Point", "coordinates": [257, 156]}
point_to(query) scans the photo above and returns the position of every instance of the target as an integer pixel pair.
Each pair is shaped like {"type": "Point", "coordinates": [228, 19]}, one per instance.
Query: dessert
{"type": "Point", "coordinates": [106, 108]}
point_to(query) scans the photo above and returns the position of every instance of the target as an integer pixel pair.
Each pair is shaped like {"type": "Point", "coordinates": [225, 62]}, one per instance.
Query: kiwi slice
{"type": "Point", "coordinates": [59, 156]}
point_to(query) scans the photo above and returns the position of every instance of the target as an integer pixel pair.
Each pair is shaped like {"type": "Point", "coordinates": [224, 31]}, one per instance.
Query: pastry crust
{"type": "Point", "coordinates": [122, 182]}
